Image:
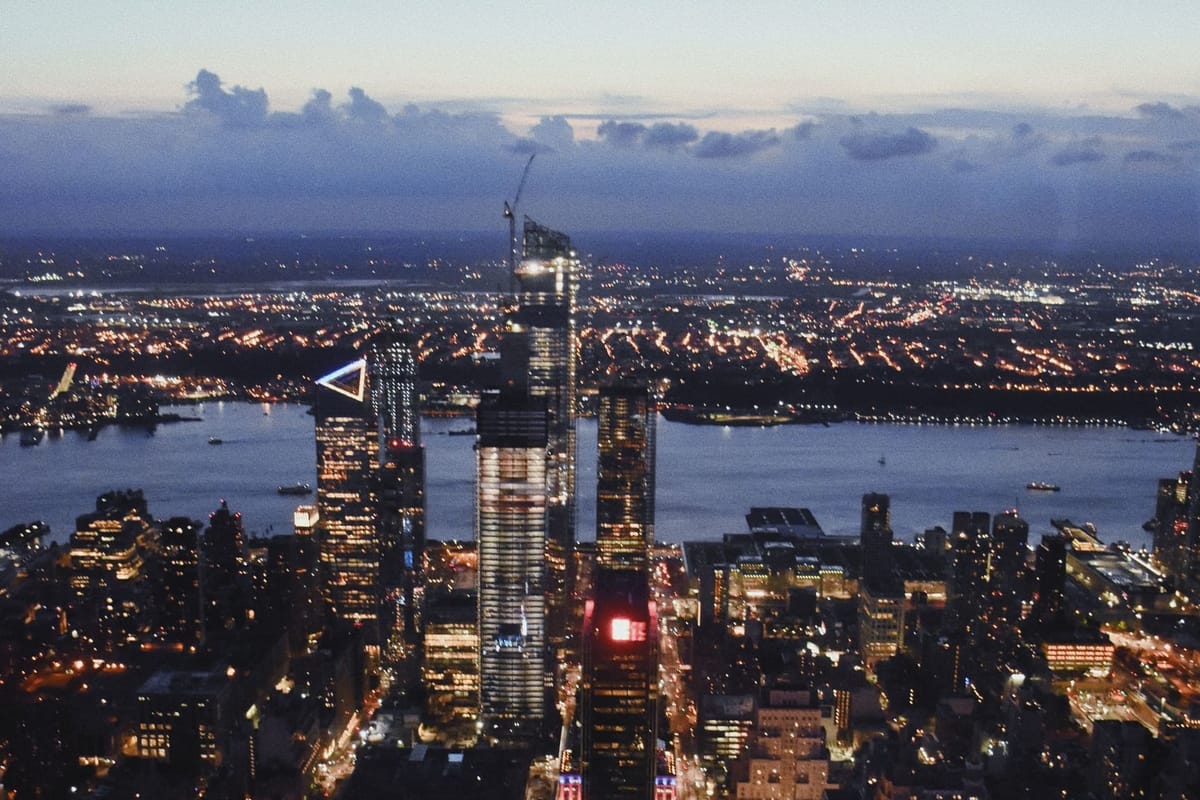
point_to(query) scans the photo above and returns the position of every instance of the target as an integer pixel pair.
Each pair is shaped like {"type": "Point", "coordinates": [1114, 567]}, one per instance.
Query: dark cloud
{"type": "Point", "coordinates": [1160, 111]}
{"type": "Point", "coordinates": [621, 134]}
{"type": "Point", "coordinates": [238, 107]}
{"type": "Point", "coordinates": [669, 135]}
{"type": "Point", "coordinates": [231, 163]}
{"type": "Point", "coordinates": [363, 108]}
{"type": "Point", "coordinates": [1082, 152]}
{"type": "Point", "coordinates": [717, 144]}
{"type": "Point", "coordinates": [70, 109]}
{"type": "Point", "coordinates": [879, 146]}
{"type": "Point", "coordinates": [664, 135]}
{"type": "Point", "coordinates": [1149, 157]}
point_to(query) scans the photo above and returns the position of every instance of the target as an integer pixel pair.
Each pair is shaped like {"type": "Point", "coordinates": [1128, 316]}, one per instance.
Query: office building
{"type": "Point", "coordinates": [625, 477]}
{"type": "Point", "coordinates": [540, 358]}
{"type": "Point", "coordinates": [619, 689]}
{"type": "Point", "coordinates": [510, 529]}
{"type": "Point", "coordinates": [347, 461]}
{"type": "Point", "coordinates": [400, 496]}
{"type": "Point", "coordinates": [450, 666]}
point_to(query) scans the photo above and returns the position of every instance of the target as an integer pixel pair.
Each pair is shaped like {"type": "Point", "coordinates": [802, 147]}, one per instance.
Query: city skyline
{"type": "Point", "coordinates": [1052, 125]}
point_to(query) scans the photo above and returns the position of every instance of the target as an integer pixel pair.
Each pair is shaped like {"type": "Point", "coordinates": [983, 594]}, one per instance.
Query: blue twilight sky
{"type": "Point", "coordinates": [1066, 122]}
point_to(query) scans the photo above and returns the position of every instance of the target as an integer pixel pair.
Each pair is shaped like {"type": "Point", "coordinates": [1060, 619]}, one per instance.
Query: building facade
{"type": "Point", "coordinates": [510, 529]}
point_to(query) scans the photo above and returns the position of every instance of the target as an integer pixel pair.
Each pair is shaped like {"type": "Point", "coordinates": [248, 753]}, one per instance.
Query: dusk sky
{"type": "Point", "coordinates": [1062, 122]}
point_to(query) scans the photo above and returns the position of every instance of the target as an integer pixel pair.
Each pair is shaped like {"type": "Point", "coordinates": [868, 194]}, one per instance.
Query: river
{"type": "Point", "coordinates": [708, 477]}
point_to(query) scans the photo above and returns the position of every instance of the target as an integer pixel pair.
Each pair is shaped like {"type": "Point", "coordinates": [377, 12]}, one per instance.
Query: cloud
{"type": "Point", "coordinates": [1160, 110]}
{"type": "Point", "coordinates": [880, 146]}
{"type": "Point", "coordinates": [718, 144]}
{"type": "Point", "coordinates": [669, 135]}
{"type": "Point", "coordinates": [70, 109]}
{"type": "Point", "coordinates": [1149, 157]}
{"type": "Point", "coordinates": [363, 108]}
{"type": "Point", "coordinates": [621, 134]}
{"type": "Point", "coordinates": [553, 133]}
{"type": "Point", "coordinates": [1082, 152]}
{"type": "Point", "coordinates": [238, 108]}
{"type": "Point", "coordinates": [231, 162]}
{"type": "Point", "coordinates": [663, 135]}
{"type": "Point", "coordinates": [319, 108]}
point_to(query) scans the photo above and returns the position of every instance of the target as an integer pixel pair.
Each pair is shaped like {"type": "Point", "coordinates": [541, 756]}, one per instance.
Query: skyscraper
{"type": "Point", "coordinates": [619, 688]}
{"type": "Point", "coordinates": [625, 477]}
{"type": "Point", "coordinates": [970, 552]}
{"type": "Point", "coordinates": [393, 379]}
{"type": "Point", "coordinates": [400, 493]}
{"type": "Point", "coordinates": [510, 529]}
{"type": "Point", "coordinates": [178, 598]}
{"type": "Point", "coordinates": [347, 457]}
{"type": "Point", "coordinates": [1010, 548]}
{"type": "Point", "coordinates": [875, 536]}
{"type": "Point", "coordinates": [539, 357]}
{"type": "Point", "coordinates": [225, 574]}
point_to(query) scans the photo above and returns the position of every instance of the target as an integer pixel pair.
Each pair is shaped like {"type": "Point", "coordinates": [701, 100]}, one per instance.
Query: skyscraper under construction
{"type": "Point", "coordinates": [539, 358]}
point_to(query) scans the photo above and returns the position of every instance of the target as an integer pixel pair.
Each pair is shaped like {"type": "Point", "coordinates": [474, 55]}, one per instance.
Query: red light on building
{"type": "Point", "coordinates": [623, 629]}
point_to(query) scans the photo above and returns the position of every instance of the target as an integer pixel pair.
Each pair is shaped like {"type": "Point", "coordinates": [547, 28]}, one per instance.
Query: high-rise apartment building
{"type": "Point", "coordinates": [1006, 579]}
{"type": "Point", "coordinates": [510, 529]}
{"type": "Point", "coordinates": [178, 598]}
{"type": "Point", "coordinates": [393, 379]}
{"type": "Point", "coordinates": [347, 460]}
{"type": "Point", "coordinates": [540, 357]}
{"type": "Point", "coordinates": [625, 477]}
{"type": "Point", "coordinates": [970, 553]}
{"type": "Point", "coordinates": [400, 493]}
{"type": "Point", "coordinates": [875, 536]}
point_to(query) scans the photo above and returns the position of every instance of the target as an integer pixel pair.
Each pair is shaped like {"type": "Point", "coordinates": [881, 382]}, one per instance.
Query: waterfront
{"type": "Point", "coordinates": [708, 477]}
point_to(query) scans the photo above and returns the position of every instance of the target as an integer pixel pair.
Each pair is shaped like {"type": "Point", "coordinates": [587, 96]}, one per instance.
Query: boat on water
{"type": "Point", "coordinates": [31, 437]}
{"type": "Point", "coordinates": [461, 432]}
{"type": "Point", "coordinates": [295, 488]}
{"type": "Point", "coordinates": [883, 461]}
{"type": "Point", "coordinates": [215, 440]}
{"type": "Point", "coordinates": [1041, 486]}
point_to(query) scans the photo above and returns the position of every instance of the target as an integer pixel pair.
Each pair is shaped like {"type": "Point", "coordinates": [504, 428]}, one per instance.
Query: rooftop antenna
{"type": "Point", "coordinates": [510, 214]}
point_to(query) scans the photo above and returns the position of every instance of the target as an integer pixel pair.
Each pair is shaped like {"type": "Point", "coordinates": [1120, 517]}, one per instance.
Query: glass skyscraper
{"type": "Point", "coordinates": [347, 458]}
{"type": "Point", "coordinates": [540, 358]}
{"type": "Point", "coordinates": [510, 529]}
{"type": "Point", "coordinates": [625, 477]}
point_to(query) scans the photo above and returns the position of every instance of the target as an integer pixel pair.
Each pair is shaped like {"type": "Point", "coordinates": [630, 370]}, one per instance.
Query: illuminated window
{"type": "Point", "coordinates": [623, 629]}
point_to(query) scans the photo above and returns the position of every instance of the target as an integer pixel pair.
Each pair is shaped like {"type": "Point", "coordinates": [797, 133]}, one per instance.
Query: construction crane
{"type": "Point", "coordinates": [510, 214]}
